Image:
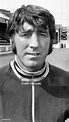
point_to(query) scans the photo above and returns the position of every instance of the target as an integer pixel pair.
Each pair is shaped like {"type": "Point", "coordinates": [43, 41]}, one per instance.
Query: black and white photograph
{"type": "Point", "coordinates": [34, 61]}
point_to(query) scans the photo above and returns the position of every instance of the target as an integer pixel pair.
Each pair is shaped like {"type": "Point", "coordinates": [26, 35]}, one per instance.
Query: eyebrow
{"type": "Point", "coordinates": [29, 30]}
{"type": "Point", "coordinates": [40, 28]}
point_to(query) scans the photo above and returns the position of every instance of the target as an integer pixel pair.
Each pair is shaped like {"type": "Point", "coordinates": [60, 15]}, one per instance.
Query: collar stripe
{"type": "Point", "coordinates": [27, 75]}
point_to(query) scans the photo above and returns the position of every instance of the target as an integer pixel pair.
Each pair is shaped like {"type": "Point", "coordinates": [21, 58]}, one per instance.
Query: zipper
{"type": "Point", "coordinates": [33, 101]}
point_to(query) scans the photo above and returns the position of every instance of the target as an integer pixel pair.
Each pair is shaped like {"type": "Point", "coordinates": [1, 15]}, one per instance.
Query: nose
{"type": "Point", "coordinates": [34, 42]}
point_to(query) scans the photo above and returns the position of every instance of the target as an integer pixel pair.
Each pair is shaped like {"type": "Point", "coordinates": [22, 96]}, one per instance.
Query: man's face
{"type": "Point", "coordinates": [32, 45]}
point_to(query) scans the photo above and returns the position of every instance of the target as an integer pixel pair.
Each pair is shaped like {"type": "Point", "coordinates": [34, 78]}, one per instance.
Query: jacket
{"type": "Point", "coordinates": [45, 101]}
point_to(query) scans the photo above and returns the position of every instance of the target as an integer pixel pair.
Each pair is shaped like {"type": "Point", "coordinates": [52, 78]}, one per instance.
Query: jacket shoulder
{"type": "Point", "coordinates": [4, 71]}
{"type": "Point", "coordinates": [58, 72]}
{"type": "Point", "coordinates": [58, 76]}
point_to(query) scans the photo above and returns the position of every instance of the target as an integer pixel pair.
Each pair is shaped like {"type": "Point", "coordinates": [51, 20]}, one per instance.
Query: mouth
{"type": "Point", "coordinates": [33, 54]}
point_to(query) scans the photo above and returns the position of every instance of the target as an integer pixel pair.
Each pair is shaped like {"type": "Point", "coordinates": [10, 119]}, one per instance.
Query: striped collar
{"type": "Point", "coordinates": [29, 76]}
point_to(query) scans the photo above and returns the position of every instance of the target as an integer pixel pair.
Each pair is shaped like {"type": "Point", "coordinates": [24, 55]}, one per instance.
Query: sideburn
{"type": "Point", "coordinates": [14, 48]}
{"type": "Point", "coordinates": [50, 48]}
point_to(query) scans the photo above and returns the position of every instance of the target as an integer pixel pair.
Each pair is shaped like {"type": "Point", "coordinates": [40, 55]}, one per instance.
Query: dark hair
{"type": "Point", "coordinates": [35, 15]}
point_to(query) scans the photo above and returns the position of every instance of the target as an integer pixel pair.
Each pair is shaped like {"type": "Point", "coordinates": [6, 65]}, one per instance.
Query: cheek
{"type": "Point", "coordinates": [45, 45]}
{"type": "Point", "coordinates": [20, 43]}
{"type": "Point", "coordinates": [20, 46]}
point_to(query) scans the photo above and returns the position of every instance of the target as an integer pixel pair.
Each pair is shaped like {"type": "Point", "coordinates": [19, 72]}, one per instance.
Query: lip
{"type": "Point", "coordinates": [33, 54]}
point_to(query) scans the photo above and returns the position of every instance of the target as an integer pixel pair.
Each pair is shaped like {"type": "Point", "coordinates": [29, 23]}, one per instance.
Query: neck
{"type": "Point", "coordinates": [25, 75]}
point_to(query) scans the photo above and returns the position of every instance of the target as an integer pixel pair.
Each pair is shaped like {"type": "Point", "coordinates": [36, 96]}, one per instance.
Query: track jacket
{"type": "Point", "coordinates": [42, 97]}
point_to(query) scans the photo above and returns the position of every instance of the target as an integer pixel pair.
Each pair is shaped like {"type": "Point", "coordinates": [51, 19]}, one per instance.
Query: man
{"type": "Point", "coordinates": [32, 90]}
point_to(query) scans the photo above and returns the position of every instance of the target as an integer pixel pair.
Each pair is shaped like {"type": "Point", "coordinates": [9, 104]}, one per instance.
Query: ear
{"type": "Point", "coordinates": [13, 46]}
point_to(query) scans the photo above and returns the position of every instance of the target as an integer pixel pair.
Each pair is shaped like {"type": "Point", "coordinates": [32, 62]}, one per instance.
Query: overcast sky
{"type": "Point", "coordinates": [59, 8]}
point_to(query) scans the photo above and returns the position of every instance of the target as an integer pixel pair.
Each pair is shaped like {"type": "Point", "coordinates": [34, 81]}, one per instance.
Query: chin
{"type": "Point", "coordinates": [32, 64]}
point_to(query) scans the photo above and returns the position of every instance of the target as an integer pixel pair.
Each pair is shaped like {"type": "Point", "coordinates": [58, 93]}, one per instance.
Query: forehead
{"type": "Point", "coordinates": [26, 26]}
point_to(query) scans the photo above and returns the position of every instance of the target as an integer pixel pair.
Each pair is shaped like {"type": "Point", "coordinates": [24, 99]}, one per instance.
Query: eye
{"type": "Point", "coordinates": [43, 34]}
{"type": "Point", "coordinates": [26, 34]}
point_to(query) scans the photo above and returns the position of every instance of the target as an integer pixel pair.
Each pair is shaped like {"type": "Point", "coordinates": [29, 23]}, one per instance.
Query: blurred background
{"type": "Point", "coordinates": [60, 9]}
